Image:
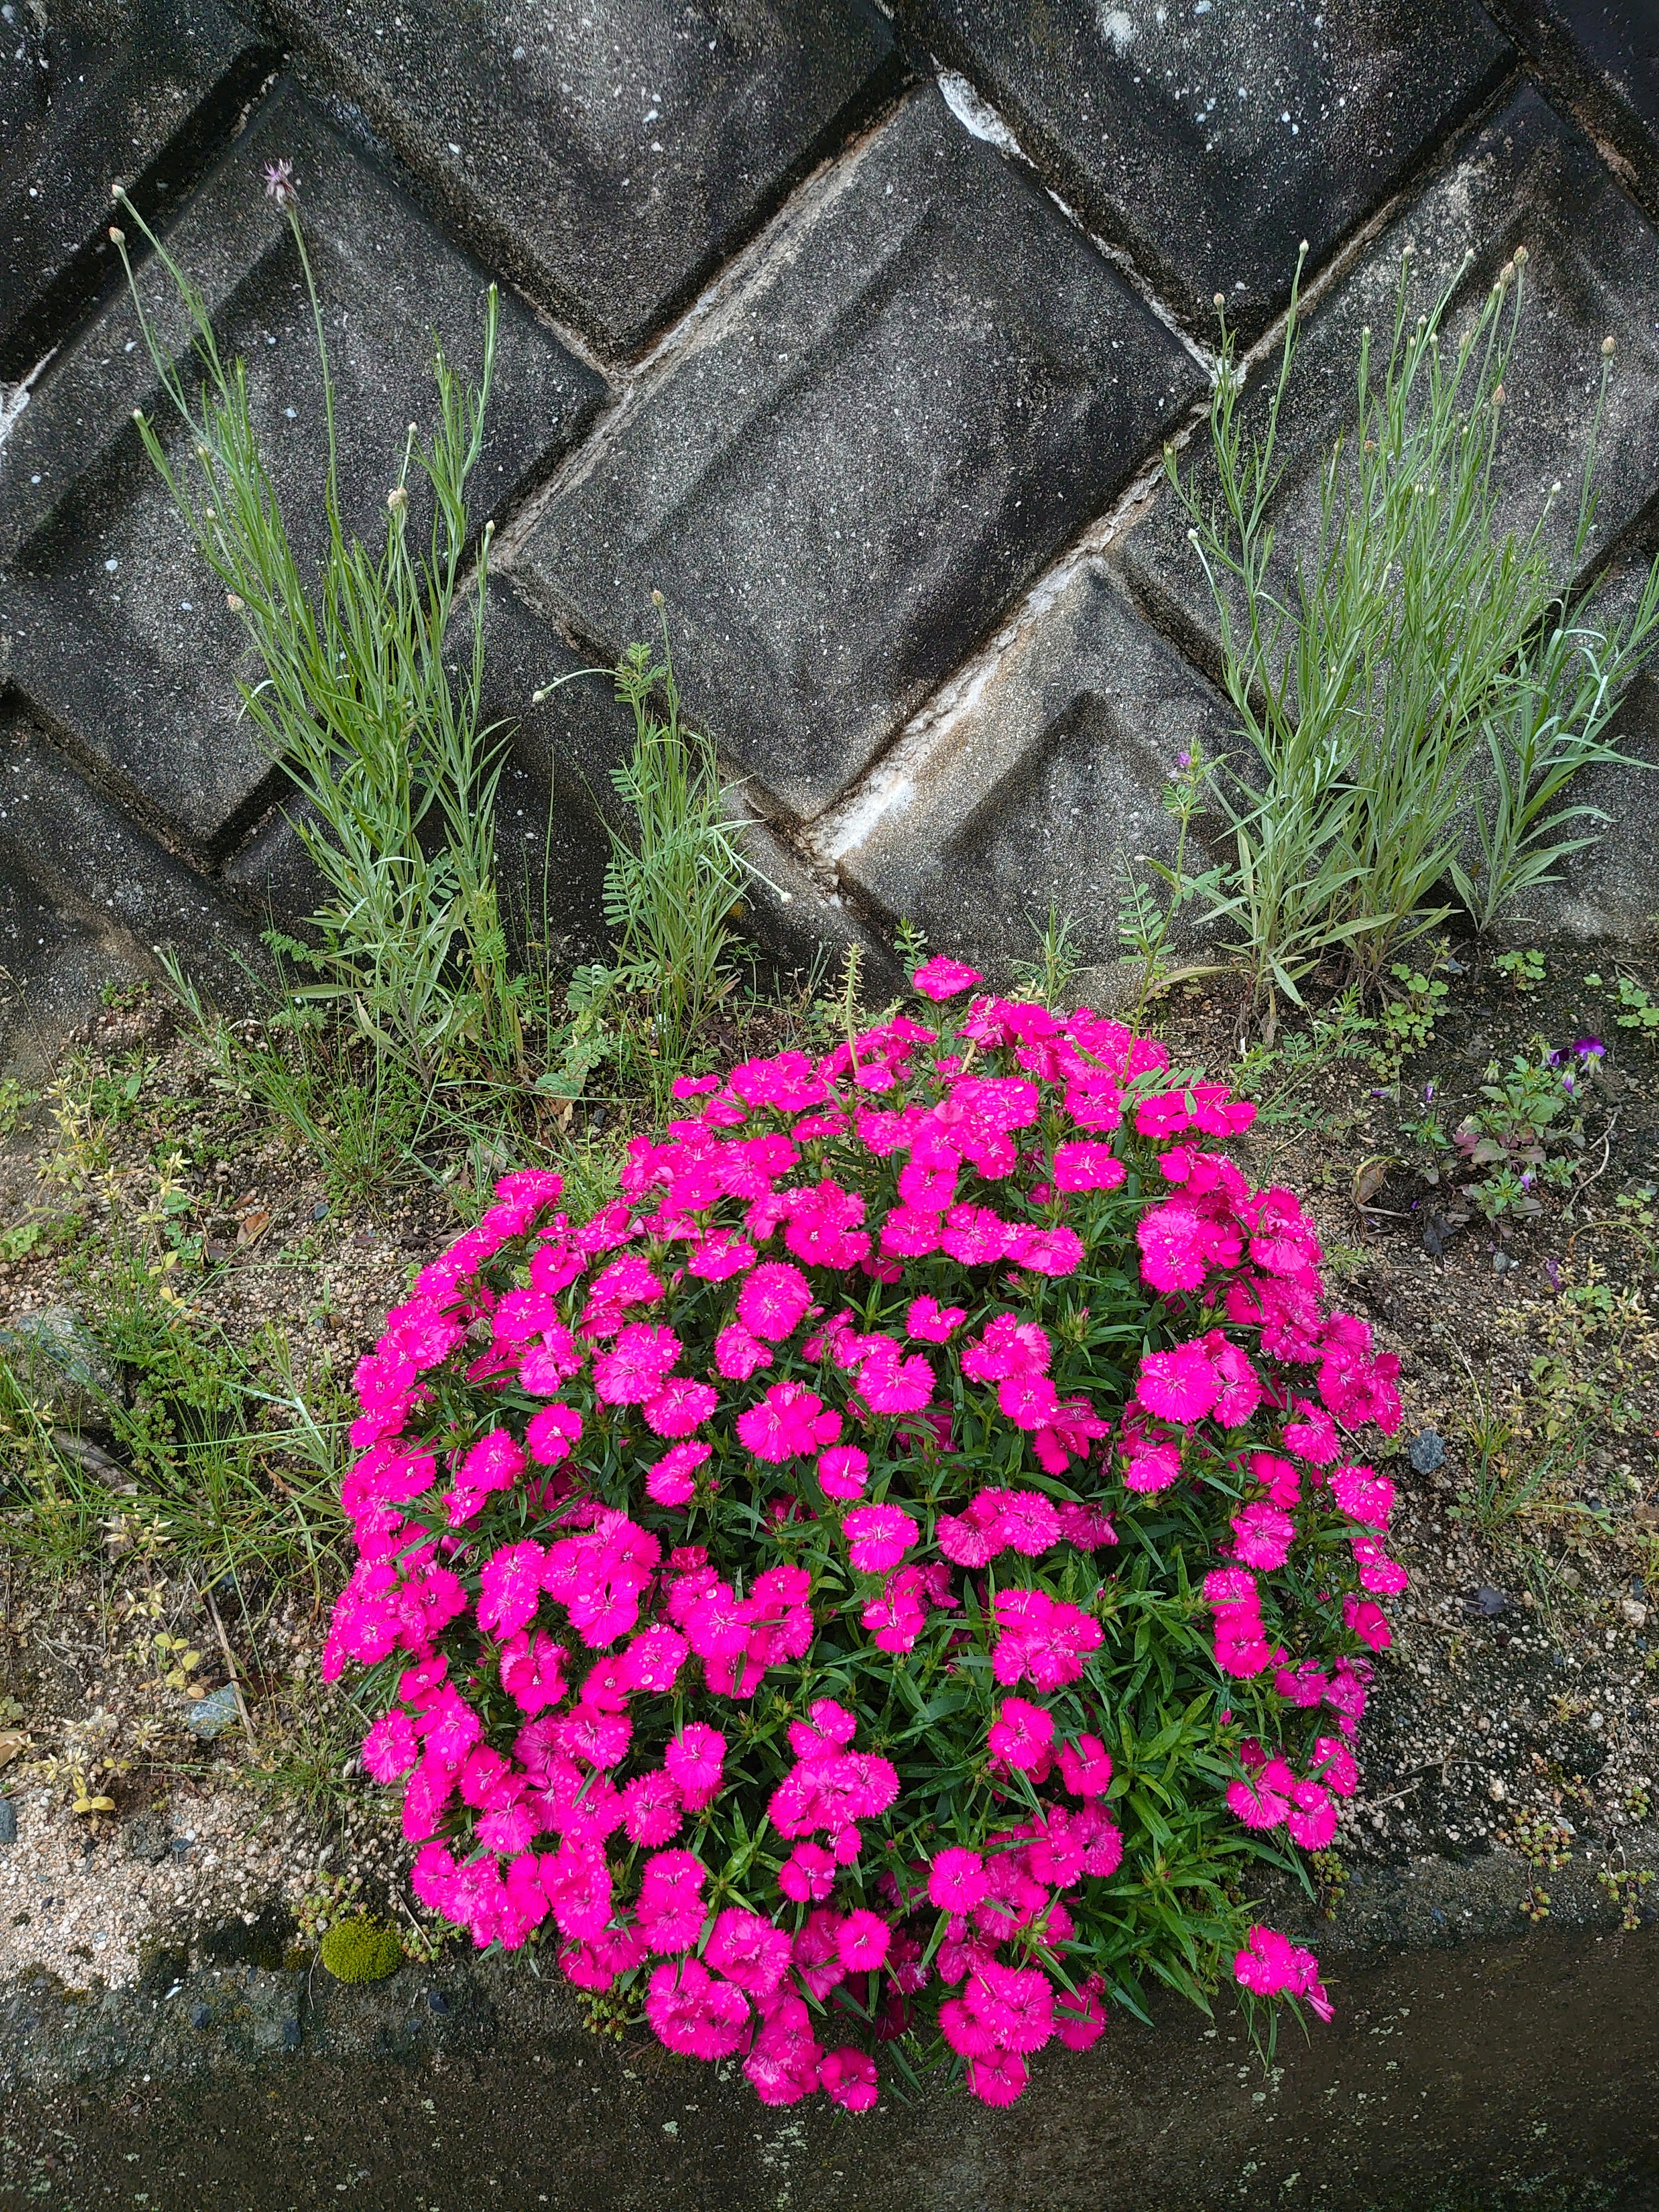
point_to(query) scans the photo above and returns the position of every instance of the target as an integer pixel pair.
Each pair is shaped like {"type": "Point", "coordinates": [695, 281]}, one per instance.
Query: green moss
{"type": "Point", "coordinates": [362, 1950]}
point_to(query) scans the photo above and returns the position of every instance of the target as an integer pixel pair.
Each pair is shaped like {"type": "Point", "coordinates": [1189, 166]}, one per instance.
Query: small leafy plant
{"type": "Point", "coordinates": [916, 1636]}
{"type": "Point", "coordinates": [1525, 969]}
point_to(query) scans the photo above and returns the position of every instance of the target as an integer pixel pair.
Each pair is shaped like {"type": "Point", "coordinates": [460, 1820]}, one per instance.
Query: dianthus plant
{"type": "Point", "coordinates": [891, 1578]}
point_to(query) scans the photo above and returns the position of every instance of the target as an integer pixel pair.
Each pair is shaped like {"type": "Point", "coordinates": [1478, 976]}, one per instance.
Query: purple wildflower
{"type": "Point", "coordinates": [279, 183]}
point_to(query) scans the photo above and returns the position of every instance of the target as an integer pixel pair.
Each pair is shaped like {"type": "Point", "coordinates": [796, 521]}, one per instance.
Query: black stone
{"type": "Point", "coordinates": [609, 158]}
{"type": "Point", "coordinates": [97, 889]}
{"type": "Point", "coordinates": [292, 2035]}
{"type": "Point", "coordinates": [1603, 55]}
{"type": "Point", "coordinates": [899, 420]}
{"type": "Point", "coordinates": [200, 2016]}
{"type": "Point", "coordinates": [135, 665]}
{"type": "Point", "coordinates": [1490, 1602]}
{"type": "Point", "coordinates": [1208, 141]}
{"type": "Point", "coordinates": [7, 1821]}
{"type": "Point", "coordinates": [437, 2001]}
{"type": "Point", "coordinates": [91, 92]}
{"type": "Point", "coordinates": [1527, 177]}
{"type": "Point", "coordinates": [1043, 790]}
{"type": "Point", "coordinates": [1426, 1451]}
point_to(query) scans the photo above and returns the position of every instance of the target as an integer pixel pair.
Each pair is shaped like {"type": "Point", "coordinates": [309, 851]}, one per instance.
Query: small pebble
{"type": "Point", "coordinates": [1490, 1602]}
{"type": "Point", "coordinates": [7, 1821]}
{"type": "Point", "coordinates": [438, 2000]}
{"type": "Point", "coordinates": [1426, 1451]}
{"type": "Point", "coordinates": [199, 2015]}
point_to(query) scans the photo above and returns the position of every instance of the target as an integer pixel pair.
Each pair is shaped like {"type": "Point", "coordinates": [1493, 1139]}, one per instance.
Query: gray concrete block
{"type": "Point", "coordinates": [1045, 787]}
{"type": "Point", "coordinates": [92, 91]}
{"type": "Point", "coordinates": [85, 896]}
{"type": "Point", "coordinates": [609, 158]}
{"type": "Point", "coordinates": [928, 387]}
{"type": "Point", "coordinates": [1528, 178]}
{"type": "Point", "coordinates": [1208, 141]}
{"type": "Point", "coordinates": [1602, 56]}
{"type": "Point", "coordinates": [109, 625]}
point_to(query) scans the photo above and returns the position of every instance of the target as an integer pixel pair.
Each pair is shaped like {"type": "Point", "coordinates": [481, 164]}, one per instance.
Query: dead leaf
{"type": "Point", "coordinates": [12, 1740]}
{"type": "Point", "coordinates": [253, 1228]}
{"type": "Point", "coordinates": [1368, 1177]}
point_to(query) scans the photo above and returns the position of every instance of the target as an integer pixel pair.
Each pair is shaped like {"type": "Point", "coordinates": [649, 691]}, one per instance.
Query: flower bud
{"type": "Point", "coordinates": [1606, 349]}
{"type": "Point", "coordinates": [1520, 256]}
{"type": "Point", "coordinates": [396, 499]}
{"type": "Point", "coordinates": [1220, 300]}
{"type": "Point", "coordinates": [117, 237]}
{"type": "Point", "coordinates": [656, 599]}
{"type": "Point", "coordinates": [234, 603]}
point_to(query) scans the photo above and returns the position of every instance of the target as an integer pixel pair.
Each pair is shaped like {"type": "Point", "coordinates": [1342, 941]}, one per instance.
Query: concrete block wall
{"type": "Point", "coordinates": [857, 334]}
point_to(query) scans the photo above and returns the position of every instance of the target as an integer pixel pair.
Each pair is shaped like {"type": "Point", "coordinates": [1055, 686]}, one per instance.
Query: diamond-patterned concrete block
{"type": "Point", "coordinates": [92, 91]}
{"type": "Point", "coordinates": [609, 157]}
{"type": "Point", "coordinates": [1046, 788]}
{"type": "Point", "coordinates": [108, 624]}
{"type": "Point", "coordinates": [1528, 178]}
{"type": "Point", "coordinates": [932, 385]}
{"type": "Point", "coordinates": [1604, 57]}
{"type": "Point", "coordinates": [1208, 141]}
{"type": "Point", "coordinates": [80, 884]}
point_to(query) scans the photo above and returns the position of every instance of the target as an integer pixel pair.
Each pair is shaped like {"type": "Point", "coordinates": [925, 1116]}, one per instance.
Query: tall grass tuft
{"type": "Point", "coordinates": [357, 703]}
{"type": "Point", "coordinates": [1417, 691]}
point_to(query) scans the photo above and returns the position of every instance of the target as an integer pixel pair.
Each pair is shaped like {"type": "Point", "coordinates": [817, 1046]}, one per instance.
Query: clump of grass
{"type": "Point", "coordinates": [358, 701]}
{"type": "Point", "coordinates": [1418, 691]}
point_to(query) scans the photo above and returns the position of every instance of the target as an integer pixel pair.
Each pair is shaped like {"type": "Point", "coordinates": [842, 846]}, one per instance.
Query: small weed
{"type": "Point", "coordinates": [1636, 1009]}
{"type": "Point", "coordinates": [14, 1103]}
{"type": "Point", "coordinates": [1047, 979]}
{"type": "Point", "coordinates": [1624, 1887]}
{"type": "Point", "coordinates": [1407, 1019]}
{"type": "Point", "coordinates": [1525, 969]}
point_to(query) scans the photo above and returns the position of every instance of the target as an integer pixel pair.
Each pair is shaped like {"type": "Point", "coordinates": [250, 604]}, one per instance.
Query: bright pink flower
{"type": "Point", "coordinates": [930, 1321]}
{"type": "Point", "coordinates": [1378, 1573]}
{"type": "Point", "coordinates": [808, 1875]}
{"type": "Point", "coordinates": [390, 1748]}
{"type": "Point", "coordinates": [1021, 1734]}
{"type": "Point", "coordinates": [1179, 1385]}
{"type": "Point", "coordinates": [789, 1420]}
{"type": "Point", "coordinates": [997, 2078]}
{"type": "Point", "coordinates": [1085, 1767]}
{"type": "Point", "coordinates": [878, 1537]}
{"type": "Point", "coordinates": [1272, 1963]}
{"type": "Point", "coordinates": [1083, 1166]}
{"type": "Point", "coordinates": [1363, 1495]}
{"type": "Point", "coordinates": [1080, 2021]}
{"type": "Point", "coordinates": [843, 1471]}
{"type": "Point", "coordinates": [696, 1759]}
{"type": "Point", "coordinates": [1262, 1535]}
{"type": "Point", "coordinates": [748, 1951]}
{"type": "Point", "coordinates": [862, 1941]}
{"type": "Point", "coordinates": [671, 1480]}
{"type": "Point", "coordinates": [680, 1405]}
{"type": "Point", "coordinates": [1366, 1621]}
{"type": "Point", "coordinates": [737, 1354]}
{"type": "Point", "coordinates": [773, 1300]}
{"type": "Point", "coordinates": [848, 2078]}
{"type": "Point", "coordinates": [939, 978]}
{"type": "Point", "coordinates": [956, 1879]}
{"type": "Point", "coordinates": [653, 1811]}
{"type": "Point", "coordinates": [552, 1432]}
{"type": "Point", "coordinates": [693, 2013]}
{"type": "Point", "coordinates": [1263, 1800]}
{"type": "Point", "coordinates": [891, 1385]}
{"type": "Point", "coordinates": [510, 1588]}
{"type": "Point", "coordinates": [652, 1659]}
{"type": "Point", "coordinates": [532, 1672]}
{"type": "Point", "coordinates": [636, 1365]}
{"type": "Point", "coordinates": [1030, 1401]}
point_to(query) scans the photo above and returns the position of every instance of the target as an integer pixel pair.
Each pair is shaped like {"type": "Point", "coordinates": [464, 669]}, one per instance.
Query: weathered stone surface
{"type": "Point", "coordinates": [114, 631]}
{"type": "Point", "coordinates": [84, 895]}
{"type": "Point", "coordinates": [1528, 178]}
{"type": "Point", "coordinates": [1209, 141]}
{"type": "Point", "coordinates": [92, 91]}
{"type": "Point", "coordinates": [1604, 56]}
{"type": "Point", "coordinates": [932, 384]}
{"type": "Point", "coordinates": [1043, 789]}
{"type": "Point", "coordinates": [611, 157]}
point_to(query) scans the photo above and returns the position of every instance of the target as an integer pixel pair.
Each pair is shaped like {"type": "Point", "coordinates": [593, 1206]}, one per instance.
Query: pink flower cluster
{"type": "Point", "coordinates": [756, 1520]}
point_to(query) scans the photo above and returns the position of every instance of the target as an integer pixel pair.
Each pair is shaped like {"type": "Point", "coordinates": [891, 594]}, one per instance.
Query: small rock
{"type": "Point", "coordinates": [1572, 1578]}
{"type": "Point", "coordinates": [1427, 1450]}
{"type": "Point", "coordinates": [319, 1212]}
{"type": "Point", "coordinates": [1490, 1603]}
{"type": "Point", "coordinates": [149, 1836]}
{"type": "Point", "coordinates": [214, 1714]}
{"type": "Point", "coordinates": [199, 2015]}
{"type": "Point", "coordinates": [438, 2000]}
{"type": "Point", "coordinates": [7, 1821]}
{"type": "Point", "coordinates": [59, 1361]}
{"type": "Point", "coordinates": [290, 2035]}
{"type": "Point", "coordinates": [1634, 1612]}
